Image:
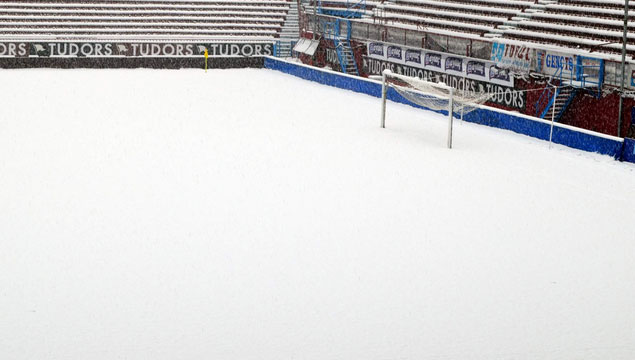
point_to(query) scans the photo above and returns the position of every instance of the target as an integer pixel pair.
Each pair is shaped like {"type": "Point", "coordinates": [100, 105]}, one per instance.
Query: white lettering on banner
{"type": "Point", "coordinates": [376, 49]}
{"type": "Point", "coordinates": [502, 95]}
{"type": "Point", "coordinates": [413, 56]}
{"type": "Point", "coordinates": [331, 57]}
{"type": "Point", "coordinates": [14, 49]}
{"type": "Point", "coordinates": [514, 57]}
{"type": "Point", "coordinates": [454, 65]}
{"type": "Point", "coordinates": [105, 50]}
{"type": "Point", "coordinates": [444, 63]}
{"type": "Point", "coordinates": [80, 50]}
{"type": "Point", "coordinates": [394, 52]}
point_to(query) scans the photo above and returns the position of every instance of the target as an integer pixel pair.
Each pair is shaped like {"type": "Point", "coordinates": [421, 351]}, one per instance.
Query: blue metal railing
{"type": "Point", "coordinates": [338, 45]}
{"type": "Point", "coordinates": [354, 9]}
{"type": "Point", "coordinates": [566, 104]}
{"type": "Point", "coordinates": [552, 94]}
{"type": "Point", "coordinates": [549, 95]}
{"type": "Point", "coordinates": [586, 73]}
{"type": "Point", "coordinates": [332, 30]}
{"type": "Point", "coordinates": [350, 46]}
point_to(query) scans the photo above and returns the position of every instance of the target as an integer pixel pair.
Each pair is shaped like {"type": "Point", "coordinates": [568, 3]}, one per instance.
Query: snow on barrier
{"type": "Point", "coordinates": [576, 138]}
{"type": "Point", "coordinates": [628, 151]}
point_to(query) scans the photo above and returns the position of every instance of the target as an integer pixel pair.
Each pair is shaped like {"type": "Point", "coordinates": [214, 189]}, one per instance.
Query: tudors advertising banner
{"type": "Point", "coordinates": [503, 95]}
{"type": "Point", "coordinates": [120, 50]}
{"type": "Point", "coordinates": [517, 58]}
{"type": "Point", "coordinates": [476, 69]}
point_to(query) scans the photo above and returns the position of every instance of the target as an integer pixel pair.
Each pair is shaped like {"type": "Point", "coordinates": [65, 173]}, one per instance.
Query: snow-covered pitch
{"type": "Point", "coordinates": [248, 214]}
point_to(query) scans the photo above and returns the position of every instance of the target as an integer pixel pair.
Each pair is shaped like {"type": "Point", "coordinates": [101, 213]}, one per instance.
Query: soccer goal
{"type": "Point", "coordinates": [434, 96]}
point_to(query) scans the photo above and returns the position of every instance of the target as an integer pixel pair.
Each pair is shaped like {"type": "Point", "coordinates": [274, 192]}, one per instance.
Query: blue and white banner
{"type": "Point", "coordinates": [517, 58]}
{"type": "Point", "coordinates": [553, 63]}
{"type": "Point", "coordinates": [481, 70]}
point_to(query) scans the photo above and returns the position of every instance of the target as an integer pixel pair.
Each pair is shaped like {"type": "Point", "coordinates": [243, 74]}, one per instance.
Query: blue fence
{"type": "Point", "coordinates": [562, 134]}
{"type": "Point", "coordinates": [628, 151]}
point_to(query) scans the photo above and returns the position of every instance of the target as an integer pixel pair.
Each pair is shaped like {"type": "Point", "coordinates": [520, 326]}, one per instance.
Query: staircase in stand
{"type": "Point", "coordinates": [562, 101]}
{"type": "Point", "coordinates": [290, 32]}
{"type": "Point", "coordinates": [559, 100]}
{"type": "Point", "coordinates": [587, 75]}
{"type": "Point", "coordinates": [349, 65]}
{"type": "Point", "coordinates": [333, 31]}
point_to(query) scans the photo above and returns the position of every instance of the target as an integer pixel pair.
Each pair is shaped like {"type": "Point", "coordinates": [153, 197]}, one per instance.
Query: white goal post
{"type": "Point", "coordinates": [435, 96]}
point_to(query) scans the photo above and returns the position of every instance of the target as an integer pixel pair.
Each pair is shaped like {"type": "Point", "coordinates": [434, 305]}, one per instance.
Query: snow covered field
{"type": "Point", "coordinates": [248, 214]}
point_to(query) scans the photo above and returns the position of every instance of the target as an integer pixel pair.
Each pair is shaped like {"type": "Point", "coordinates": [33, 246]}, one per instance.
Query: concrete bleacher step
{"type": "Point", "coordinates": [145, 19]}
{"type": "Point", "coordinates": [290, 31]}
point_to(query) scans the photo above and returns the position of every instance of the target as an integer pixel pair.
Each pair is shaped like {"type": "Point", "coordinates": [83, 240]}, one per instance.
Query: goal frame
{"type": "Point", "coordinates": [384, 92]}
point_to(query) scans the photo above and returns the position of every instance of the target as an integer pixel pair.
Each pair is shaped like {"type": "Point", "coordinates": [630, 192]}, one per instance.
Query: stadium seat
{"type": "Point", "coordinates": [142, 20]}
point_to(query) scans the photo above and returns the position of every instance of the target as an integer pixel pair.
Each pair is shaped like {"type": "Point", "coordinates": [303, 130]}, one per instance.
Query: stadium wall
{"type": "Point", "coordinates": [586, 111]}
{"type": "Point", "coordinates": [589, 112]}
{"type": "Point", "coordinates": [160, 55]}
{"type": "Point", "coordinates": [523, 124]}
{"type": "Point", "coordinates": [131, 63]}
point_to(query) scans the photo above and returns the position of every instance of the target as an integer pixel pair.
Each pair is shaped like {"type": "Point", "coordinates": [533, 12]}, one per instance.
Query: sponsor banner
{"type": "Point", "coordinates": [107, 50]}
{"type": "Point", "coordinates": [551, 63]}
{"type": "Point", "coordinates": [376, 49]}
{"type": "Point", "coordinates": [482, 70]}
{"type": "Point", "coordinates": [633, 78]}
{"type": "Point", "coordinates": [504, 95]}
{"type": "Point", "coordinates": [514, 57]}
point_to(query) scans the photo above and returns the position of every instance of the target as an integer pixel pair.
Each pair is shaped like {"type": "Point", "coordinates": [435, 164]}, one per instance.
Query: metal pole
{"type": "Point", "coordinates": [553, 113]}
{"type": "Point", "coordinates": [315, 19]}
{"type": "Point", "coordinates": [384, 90]}
{"type": "Point", "coordinates": [451, 115]}
{"type": "Point", "coordinates": [464, 97]}
{"type": "Point", "coordinates": [624, 38]}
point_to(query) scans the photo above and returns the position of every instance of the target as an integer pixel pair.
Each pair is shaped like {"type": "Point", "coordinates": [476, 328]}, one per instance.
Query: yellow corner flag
{"type": "Point", "coordinates": [206, 56]}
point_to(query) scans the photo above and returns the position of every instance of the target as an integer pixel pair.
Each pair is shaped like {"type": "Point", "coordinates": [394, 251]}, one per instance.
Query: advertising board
{"type": "Point", "coordinates": [476, 69]}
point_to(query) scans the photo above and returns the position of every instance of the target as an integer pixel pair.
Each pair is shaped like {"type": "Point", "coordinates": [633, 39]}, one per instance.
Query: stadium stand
{"type": "Point", "coordinates": [593, 25]}
{"type": "Point", "coordinates": [143, 20]}
{"type": "Point", "coordinates": [590, 25]}
{"type": "Point", "coordinates": [480, 17]}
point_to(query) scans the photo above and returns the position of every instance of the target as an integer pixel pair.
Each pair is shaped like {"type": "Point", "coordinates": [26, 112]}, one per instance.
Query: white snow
{"type": "Point", "coordinates": [248, 214]}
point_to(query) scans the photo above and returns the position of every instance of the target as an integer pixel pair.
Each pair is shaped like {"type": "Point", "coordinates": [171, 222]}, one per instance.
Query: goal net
{"type": "Point", "coordinates": [430, 95]}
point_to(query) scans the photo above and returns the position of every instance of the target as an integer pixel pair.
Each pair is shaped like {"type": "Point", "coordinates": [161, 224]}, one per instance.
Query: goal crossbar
{"type": "Point", "coordinates": [437, 96]}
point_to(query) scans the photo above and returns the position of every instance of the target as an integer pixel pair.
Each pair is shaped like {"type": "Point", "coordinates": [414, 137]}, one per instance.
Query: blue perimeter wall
{"type": "Point", "coordinates": [623, 150]}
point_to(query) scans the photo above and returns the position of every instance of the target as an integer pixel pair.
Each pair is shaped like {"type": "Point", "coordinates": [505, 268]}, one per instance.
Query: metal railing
{"type": "Point", "coordinates": [597, 75]}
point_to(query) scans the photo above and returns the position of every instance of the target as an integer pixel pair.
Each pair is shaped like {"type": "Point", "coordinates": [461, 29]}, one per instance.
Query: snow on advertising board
{"type": "Point", "coordinates": [114, 50]}
{"type": "Point", "coordinates": [555, 63]}
{"type": "Point", "coordinates": [441, 62]}
{"type": "Point", "coordinates": [478, 76]}
{"type": "Point", "coordinates": [517, 58]}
